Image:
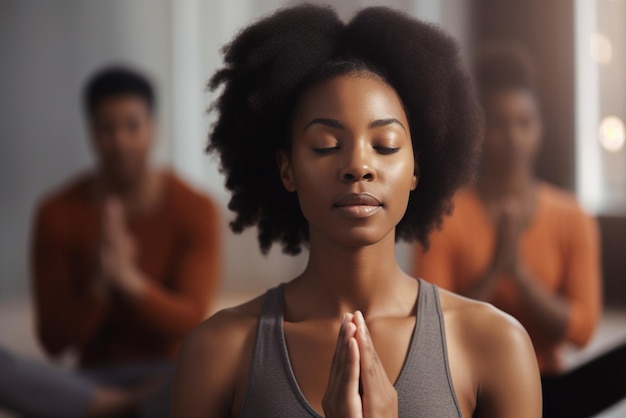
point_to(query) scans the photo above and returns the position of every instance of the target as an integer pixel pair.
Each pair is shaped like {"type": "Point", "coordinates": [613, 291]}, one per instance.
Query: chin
{"type": "Point", "coordinates": [125, 177]}
{"type": "Point", "coordinates": [363, 238]}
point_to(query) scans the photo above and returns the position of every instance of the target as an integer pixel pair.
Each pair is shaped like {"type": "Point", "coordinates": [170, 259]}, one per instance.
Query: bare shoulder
{"type": "Point", "coordinates": [499, 353]}
{"type": "Point", "coordinates": [481, 322]}
{"type": "Point", "coordinates": [213, 360]}
{"type": "Point", "coordinates": [226, 330]}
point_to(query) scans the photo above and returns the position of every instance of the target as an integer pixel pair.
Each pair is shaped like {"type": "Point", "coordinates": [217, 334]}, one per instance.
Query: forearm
{"type": "Point", "coordinates": [163, 310]}
{"type": "Point", "coordinates": [550, 312]}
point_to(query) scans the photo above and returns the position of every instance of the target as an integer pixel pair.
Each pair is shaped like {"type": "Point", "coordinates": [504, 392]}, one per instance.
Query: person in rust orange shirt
{"type": "Point", "coordinates": [125, 258]}
{"type": "Point", "coordinates": [519, 243]}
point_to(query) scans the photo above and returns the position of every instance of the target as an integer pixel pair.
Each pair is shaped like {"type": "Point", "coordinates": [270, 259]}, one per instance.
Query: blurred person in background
{"type": "Point", "coordinates": [125, 260]}
{"type": "Point", "coordinates": [524, 245]}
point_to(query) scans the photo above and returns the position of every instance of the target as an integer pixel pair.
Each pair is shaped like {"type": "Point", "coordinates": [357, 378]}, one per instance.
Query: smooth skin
{"type": "Point", "coordinates": [353, 308]}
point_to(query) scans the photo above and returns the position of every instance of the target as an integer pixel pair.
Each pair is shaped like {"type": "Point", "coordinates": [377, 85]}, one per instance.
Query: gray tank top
{"type": "Point", "coordinates": [424, 384]}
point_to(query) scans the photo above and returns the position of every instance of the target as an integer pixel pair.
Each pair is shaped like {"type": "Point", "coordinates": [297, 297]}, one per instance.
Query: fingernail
{"type": "Point", "coordinates": [343, 320]}
{"type": "Point", "coordinates": [360, 317]}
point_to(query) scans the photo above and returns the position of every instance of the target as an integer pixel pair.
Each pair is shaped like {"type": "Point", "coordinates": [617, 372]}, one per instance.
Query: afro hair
{"type": "Point", "coordinates": [270, 63]}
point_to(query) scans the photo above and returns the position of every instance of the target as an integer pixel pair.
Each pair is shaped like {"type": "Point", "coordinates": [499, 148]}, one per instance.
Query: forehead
{"type": "Point", "coordinates": [123, 104]}
{"type": "Point", "coordinates": [349, 96]}
{"type": "Point", "coordinates": [511, 99]}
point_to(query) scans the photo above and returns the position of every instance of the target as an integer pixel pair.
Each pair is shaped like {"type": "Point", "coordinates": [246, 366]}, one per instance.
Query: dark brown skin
{"type": "Point", "coordinates": [122, 132]}
{"type": "Point", "coordinates": [352, 308]}
{"type": "Point", "coordinates": [507, 189]}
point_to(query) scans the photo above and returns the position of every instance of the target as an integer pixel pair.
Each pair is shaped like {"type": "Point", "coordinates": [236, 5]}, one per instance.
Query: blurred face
{"type": "Point", "coordinates": [513, 129]}
{"type": "Point", "coordinates": [352, 162]}
{"type": "Point", "coordinates": [122, 130]}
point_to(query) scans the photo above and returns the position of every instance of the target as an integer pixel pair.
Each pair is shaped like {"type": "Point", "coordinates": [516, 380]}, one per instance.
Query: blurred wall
{"type": "Point", "coordinates": [47, 51]}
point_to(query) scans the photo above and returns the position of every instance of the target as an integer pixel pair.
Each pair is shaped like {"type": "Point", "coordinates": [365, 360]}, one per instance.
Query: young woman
{"type": "Point", "coordinates": [344, 138]}
{"type": "Point", "coordinates": [526, 246]}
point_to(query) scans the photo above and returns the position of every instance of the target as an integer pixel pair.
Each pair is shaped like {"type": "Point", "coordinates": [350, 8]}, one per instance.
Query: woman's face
{"type": "Point", "coordinates": [513, 130]}
{"type": "Point", "coordinates": [351, 162]}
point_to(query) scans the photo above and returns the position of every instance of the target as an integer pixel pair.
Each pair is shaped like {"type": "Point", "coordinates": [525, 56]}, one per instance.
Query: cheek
{"type": "Point", "coordinates": [311, 185]}
{"type": "Point", "coordinates": [400, 173]}
{"type": "Point", "coordinates": [400, 181]}
{"type": "Point", "coordinates": [140, 142]}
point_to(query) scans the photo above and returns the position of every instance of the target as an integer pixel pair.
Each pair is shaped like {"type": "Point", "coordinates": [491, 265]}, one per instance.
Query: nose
{"type": "Point", "coordinates": [357, 167]}
{"type": "Point", "coordinates": [119, 139]}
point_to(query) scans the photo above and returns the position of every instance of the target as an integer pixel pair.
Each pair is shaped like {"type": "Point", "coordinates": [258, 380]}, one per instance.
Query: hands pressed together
{"type": "Point", "coordinates": [513, 221]}
{"type": "Point", "coordinates": [117, 253]}
{"type": "Point", "coordinates": [358, 385]}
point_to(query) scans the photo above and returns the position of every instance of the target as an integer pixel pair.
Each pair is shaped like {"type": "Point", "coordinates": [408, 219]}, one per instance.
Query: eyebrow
{"type": "Point", "coordinates": [334, 123]}
{"type": "Point", "coordinates": [384, 122]}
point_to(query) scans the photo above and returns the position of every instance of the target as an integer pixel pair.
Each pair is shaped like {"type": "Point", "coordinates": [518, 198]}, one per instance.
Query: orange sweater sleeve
{"type": "Point", "coordinates": [66, 315]}
{"type": "Point", "coordinates": [174, 310]}
{"type": "Point", "coordinates": [437, 264]}
{"type": "Point", "coordinates": [583, 284]}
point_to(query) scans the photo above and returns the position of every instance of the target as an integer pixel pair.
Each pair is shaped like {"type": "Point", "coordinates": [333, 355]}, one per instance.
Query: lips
{"type": "Point", "coordinates": [358, 205]}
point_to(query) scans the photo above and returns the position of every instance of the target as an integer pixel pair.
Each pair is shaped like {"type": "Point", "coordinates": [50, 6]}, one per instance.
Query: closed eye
{"type": "Point", "coordinates": [324, 150]}
{"type": "Point", "coordinates": [387, 150]}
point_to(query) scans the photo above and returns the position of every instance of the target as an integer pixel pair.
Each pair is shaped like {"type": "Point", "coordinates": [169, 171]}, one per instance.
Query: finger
{"type": "Point", "coordinates": [108, 208]}
{"type": "Point", "coordinates": [342, 367]}
{"type": "Point", "coordinates": [109, 221]}
{"type": "Point", "coordinates": [353, 368]}
{"type": "Point", "coordinates": [114, 204]}
{"type": "Point", "coordinates": [341, 397]}
{"type": "Point", "coordinates": [339, 356]}
{"type": "Point", "coordinates": [379, 397]}
{"type": "Point", "coordinates": [372, 372]}
{"type": "Point", "coordinates": [114, 212]}
{"type": "Point", "coordinates": [341, 337]}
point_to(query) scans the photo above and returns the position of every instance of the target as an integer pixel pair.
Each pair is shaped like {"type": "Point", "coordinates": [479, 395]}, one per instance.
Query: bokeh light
{"type": "Point", "coordinates": [601, 48]}
{"type": "Point", "coordinates": [612, 133]}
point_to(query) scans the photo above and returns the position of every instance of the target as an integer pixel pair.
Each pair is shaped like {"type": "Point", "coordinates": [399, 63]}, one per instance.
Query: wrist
{"type": "Point", "coordinates": [133, 283]}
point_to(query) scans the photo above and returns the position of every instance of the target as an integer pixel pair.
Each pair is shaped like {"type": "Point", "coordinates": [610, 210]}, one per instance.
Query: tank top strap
{"type": "Point", "coordinates": [272, 309]}
{"type": "Point", "coordinates": [427, 362]}
{"type": "Point", "coordinates": [269, 390]}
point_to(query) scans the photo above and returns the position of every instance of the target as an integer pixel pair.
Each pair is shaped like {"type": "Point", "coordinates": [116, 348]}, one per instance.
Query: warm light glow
{"type": "Point", "coordinates": [612, 133]}
{"type": "Point", "coordinates": [601, 48]}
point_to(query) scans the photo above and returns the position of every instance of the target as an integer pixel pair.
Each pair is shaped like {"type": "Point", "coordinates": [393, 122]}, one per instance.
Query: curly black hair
{"type": "Point", "coordinates": [116, 81]}
{"type": "Point", "coordinates": [270, 63]}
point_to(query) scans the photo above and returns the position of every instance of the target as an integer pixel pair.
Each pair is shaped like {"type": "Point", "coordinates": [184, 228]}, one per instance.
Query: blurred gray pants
{"type": "Point", "coordinates": [36, 389]}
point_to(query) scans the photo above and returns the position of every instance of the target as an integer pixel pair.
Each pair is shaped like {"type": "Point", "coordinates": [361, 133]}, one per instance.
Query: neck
{"type": "Point", "coordinates": [135, 194]}
{"type": "Point", "coordinates": [344, 279]}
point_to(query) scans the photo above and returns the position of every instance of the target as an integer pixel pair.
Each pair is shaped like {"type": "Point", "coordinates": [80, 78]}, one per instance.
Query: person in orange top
{"type": "Point", "coordinates": [542, 268]}
{"type": "Point", "coordinates": [125, 258]}
{"type": "Point", "coordinates": [521, 244]}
